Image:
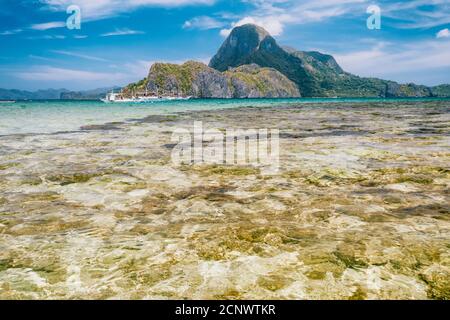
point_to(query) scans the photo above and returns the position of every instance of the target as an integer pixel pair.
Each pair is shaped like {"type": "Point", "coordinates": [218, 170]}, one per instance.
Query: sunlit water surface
{"type": "Point", "coordinates": [358, 210]}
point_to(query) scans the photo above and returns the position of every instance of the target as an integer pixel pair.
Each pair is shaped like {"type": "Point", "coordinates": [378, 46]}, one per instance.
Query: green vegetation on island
{"type": "Point", "coordinates": [251, 64]}
{"type": "Point", "coordinates": [196, 79]}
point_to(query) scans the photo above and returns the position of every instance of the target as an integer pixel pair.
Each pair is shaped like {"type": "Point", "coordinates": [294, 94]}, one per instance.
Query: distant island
{"type": "Point", "coordinates": [250, 64]}
{"type": "Point", "coordinates": [56, 94]}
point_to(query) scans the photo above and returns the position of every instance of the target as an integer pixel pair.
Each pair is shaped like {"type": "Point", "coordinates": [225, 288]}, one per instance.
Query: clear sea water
{"type": "Point", "coordinates": [25, 117]}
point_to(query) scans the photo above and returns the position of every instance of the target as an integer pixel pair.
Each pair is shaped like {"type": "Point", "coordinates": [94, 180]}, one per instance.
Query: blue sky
{"type": "Point", "coordinates": [119, 40]}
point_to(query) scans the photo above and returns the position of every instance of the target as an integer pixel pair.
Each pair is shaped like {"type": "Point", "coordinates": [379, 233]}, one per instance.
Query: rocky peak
{"type": "Point", "coordinates": [246, 38]}
{"type": "Point", "coordinates": [250, 64]}
{"type": "Point", "coordinates": [242, 42]}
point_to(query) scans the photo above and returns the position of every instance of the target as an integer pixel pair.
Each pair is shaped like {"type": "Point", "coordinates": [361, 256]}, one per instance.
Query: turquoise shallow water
{"type": "Point", "coordinates": [357, 210]}
{"type": "Point", "coordinates": [25, 117]}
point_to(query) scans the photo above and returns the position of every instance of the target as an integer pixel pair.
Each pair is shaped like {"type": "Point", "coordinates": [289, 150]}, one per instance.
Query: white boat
{"type": "Point", "coordinates": [115, 97]}
{"type": "Point", "coordinates": [119, 98]}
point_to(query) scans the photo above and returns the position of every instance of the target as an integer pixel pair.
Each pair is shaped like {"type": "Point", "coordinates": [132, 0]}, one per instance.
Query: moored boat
{"type": "Point", "coordinates": [120, 98]}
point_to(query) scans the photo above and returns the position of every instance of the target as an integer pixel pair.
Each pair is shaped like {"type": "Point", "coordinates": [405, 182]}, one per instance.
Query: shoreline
{"type": "Point", "coordinates": [384, 99]}
{"type": "Point", "coordinates": [110, 125]}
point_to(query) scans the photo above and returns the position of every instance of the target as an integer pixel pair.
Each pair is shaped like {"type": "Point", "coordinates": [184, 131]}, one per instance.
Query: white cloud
{"type": "Point", "coordinates": [225, 32]}
{"type": "Point", "coordinates": [203, 23]}
{"type": "Point", "coordinates": [32, 56]}
{"type": "Point", "coordinates": [43, 73]}
{"type": "Point", "coordinates": [385, 59]}
{"type": "Point", "coordinates": [79, 55]}
{"type": "Point", "coordinates": [114, 74]}
{"type": "Point", "coordinates": [38, 27]}
{"type": "Point", "coordinates": [10, 32]}
{"type": "Point", "coordinates": [444, 33]}
{"type": "Point", "coordinates": [121, 32]}
{"type": "Point", "coordinates": [48, 25]}
{"type": "Point", "coordinates": [411, 15]}
{"type": "Point", "coordinates": [47, 37]}
{"type": "Point", "coordinates": [100, 9]}
{"type": "Point", "coordinates": [272, 24]}
{"type": "Point", "coordinates": [275, 15]}
{"type": "Point", "coordinates": [48, 73]}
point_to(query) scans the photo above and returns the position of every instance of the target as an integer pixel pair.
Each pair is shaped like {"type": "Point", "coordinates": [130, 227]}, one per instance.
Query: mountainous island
{"type": "Point", "coordinates": [251, 64]}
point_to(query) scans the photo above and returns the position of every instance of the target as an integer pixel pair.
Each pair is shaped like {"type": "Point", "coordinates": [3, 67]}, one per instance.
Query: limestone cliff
{"type": "Point", "coordinates": [197, 80]}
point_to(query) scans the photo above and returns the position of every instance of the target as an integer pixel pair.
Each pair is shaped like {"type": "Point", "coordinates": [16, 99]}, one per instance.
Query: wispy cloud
{"type": "Point", "coordinates": [10, 32]}
{"type": "Point", "coordinates": [32, 56]}
{"type": "Point", "coordinates": [121, 32]}
{"type": "Point", "coordinates": [48, 25]}
{"type": "Point", "coordinates": [47, 37]}
{"type": "Point", "coordinates": [417, 14]}
{"type": "Point", "coordinates": [203, 23]}
{"type": "Point", "coordinates": [391, 59]}
{"type": "Point", "coordinates": [36, 27]}
{"type": "Point", "coordinates": [100, 9]}
{"type": "Point", "coordinates": [275, 15]}
{"type": "Point", "coordinates": [79, 55]}
{"type": "Point", "coordinates": [48, 73]}
{"type": "Point", "coordinates": [114, 74]}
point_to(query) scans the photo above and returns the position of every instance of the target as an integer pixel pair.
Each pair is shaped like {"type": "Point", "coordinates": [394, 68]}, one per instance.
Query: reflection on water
{"type": "Point", "coordinates": [359, 210]}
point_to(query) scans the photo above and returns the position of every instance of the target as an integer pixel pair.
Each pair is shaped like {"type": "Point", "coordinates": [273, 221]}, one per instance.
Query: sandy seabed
{"type": "Point", "coordinates": [358, 210]}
